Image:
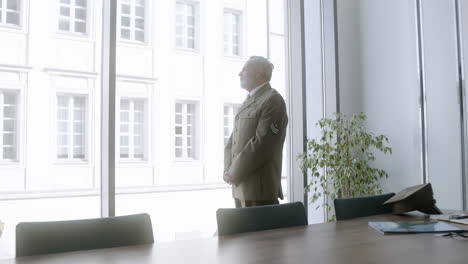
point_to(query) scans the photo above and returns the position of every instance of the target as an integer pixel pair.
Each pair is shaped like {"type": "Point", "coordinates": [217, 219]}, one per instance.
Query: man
{"type": "Point", "coordinates": [253, 154]}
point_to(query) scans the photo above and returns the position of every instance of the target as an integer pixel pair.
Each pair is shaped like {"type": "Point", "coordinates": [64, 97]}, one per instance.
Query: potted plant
{"type": "Point", "coordinates": [339, 161]}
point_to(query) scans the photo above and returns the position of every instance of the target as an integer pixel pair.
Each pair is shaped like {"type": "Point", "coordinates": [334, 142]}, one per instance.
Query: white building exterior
{"type": "Point", "coordinates": [177, 90]}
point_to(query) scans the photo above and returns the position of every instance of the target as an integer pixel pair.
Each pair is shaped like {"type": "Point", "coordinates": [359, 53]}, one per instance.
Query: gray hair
{"type": "Point", "coordinates": [263, 65]}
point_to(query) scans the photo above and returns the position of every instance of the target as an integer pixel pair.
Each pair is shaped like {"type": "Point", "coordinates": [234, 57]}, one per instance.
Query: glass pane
{"type": "Point", "coordinates": [178, 153]}
{"type": "Point", "coordinates": [9, 111]}
{"type": "Point", "coordinates": [140, 2]}
{"type": "Point", "coordinates": [139, 35]}
{"type": "Point", "coordinates": [124, 128]}
{"type": "Point", "coordinates": [62, 140]}
{"type": "Point", "coordinates": [191, 44]}
{"type": "Point", "coordinates": [9, 153]}
{"type": "Point", "coordinates": [178, 130]}
{"type": "Point", "coordinates": [80, 14]}
{"type": "Point", "coordinates": [124, 140]}
{"type": "Point", "coordinates": [125, 34]}
{"type": "Point", "coordinates": [125, 9]}
{"type": "Point", "coordinates": [124, 152]}
{"type": "Point", "coordinates": [9, 125]}
{"type": "Point", "coordinates": [78, 140]}
{"type": "Point", "coordinates": [140, 23]}
{"type": "Point", "coordinates": [125, 21]}
{"type": "Point", "coordinates": [178, 119]}
{"type": "Point", "coordinates": [64, 11]}
{"type": "Point", "coordinates": [9, 139]}
{"type": "Point", "coordinates": [62, 127]}
{"type": "Point", "coordinates": [178, 141]}
{"type": "Point", "coordinates": [80, 27]}
{"type": "Point", "coordinates": [62, 101]}
{"type": "Point", "coordinates": [64, 25]}
{"type": "Point", "coordinates": [140, 11]}
{"type": "Point", "coordinates": [81, 3]}
{"type": "Point", "coordinates": [65, 2]}
{"type": "Point", "coordinates": [178, 108]}
{"type": "Point", "coordinates": [12, 18]}
{"type": "Point", "coordinates": [13, 4]}
{"type": "Point", "coordinates": [124, 104]}
{"type": "Point", "coordinates": [124, 117]}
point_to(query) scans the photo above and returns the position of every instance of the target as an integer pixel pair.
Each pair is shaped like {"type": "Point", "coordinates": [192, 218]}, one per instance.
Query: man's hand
{"type": "Point", "coordinates": [227, 177]}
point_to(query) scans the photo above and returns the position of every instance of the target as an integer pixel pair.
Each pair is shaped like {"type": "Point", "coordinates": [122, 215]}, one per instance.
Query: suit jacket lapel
{"type": "Point", "coordinates": [251, 99]}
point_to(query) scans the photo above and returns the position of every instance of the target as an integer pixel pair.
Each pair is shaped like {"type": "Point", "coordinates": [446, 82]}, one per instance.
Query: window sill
{"type": "Point", "coordinates": [191, 52]}
{"type": "Point", "coordinates": [133, 44]}
{"type": "Point", "coordinates": [73, 36]}
{"type": "Point", "coordinates": [235, 58]}
{"type": "Point", "coordinates": [13, 29]}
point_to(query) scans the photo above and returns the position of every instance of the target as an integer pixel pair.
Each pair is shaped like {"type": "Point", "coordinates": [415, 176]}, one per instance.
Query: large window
{"type": "Point", "coordinates": [232, 33]}
{"type": "Point", "coordinates": [230, 111]}
{"type": "Point", "coordinates": [132, 20]}
{"type": "Point", "coordinates": [10, 12]}
{"type": "Point", "coordinates": [71, 127]}
{"type": "Point", "coordinates": [132, 129]}
{"type": "Point", "coordinates": [173, 109]}
{"type": "Point", "coordinates": [8, 126]}
{"type": "Point", "coordinates": [185, 127]}
{"type": "Point", "coordinates": [73, 16]}
{"type": "Point", "coordinates": [187, 25]}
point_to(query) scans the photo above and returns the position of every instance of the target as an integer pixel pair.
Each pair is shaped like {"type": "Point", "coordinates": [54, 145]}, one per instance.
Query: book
{"type": "Point", "coordinates": [454, 218]}
{"type": "Point", "coordinates": [414, 227]}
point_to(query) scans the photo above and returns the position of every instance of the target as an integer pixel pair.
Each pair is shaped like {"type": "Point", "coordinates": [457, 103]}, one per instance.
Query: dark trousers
{"type": "Point", "coordinates": [242, 203]}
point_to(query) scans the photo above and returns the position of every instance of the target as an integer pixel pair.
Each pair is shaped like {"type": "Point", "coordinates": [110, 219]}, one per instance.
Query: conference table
{"type": "Point", "coordinates": [349, 241]}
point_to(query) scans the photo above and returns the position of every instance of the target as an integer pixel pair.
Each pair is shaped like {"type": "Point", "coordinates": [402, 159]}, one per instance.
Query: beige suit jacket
{"type": "Point", "coordinates": [253, 154]}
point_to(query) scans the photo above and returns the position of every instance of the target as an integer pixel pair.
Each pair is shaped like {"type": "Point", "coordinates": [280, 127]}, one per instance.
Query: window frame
{"type": "Point", "coordinates": [70, 132]}
{"type": "Point", "coordinates": [20, 11]}
{"type": "Point", "coordinates": [146, 135]}
{"type": "Point", "coordinates": [234, 13]}
{"type": "Point", "coordinates": [132, 27]}
{"type": "Point", "coordinates": [231, 118]}
{"type": "Point", "coordinates": [196, 27]}
{"type": "Point", "coordinates": [17, 122]}
{"type": "Point", "coordinates": [195, 131]}
{"type": "Point", "coordinates": [72, 19]}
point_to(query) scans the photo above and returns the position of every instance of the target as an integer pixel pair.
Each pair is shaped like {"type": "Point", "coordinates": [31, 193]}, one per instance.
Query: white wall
{"type": "Point", "coordinates": [378, 74]}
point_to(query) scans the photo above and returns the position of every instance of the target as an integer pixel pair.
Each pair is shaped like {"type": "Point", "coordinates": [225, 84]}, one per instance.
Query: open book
{"type": "Point", "coordinates": [455, 218]}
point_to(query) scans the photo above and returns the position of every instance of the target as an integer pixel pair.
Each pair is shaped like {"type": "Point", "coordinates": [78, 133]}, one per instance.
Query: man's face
{"type": "Point", "coordinates": [249, 76]}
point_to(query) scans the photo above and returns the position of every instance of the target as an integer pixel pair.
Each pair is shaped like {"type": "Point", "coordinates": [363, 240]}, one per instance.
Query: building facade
{"type": "Point", "coordinates": [177, 90]}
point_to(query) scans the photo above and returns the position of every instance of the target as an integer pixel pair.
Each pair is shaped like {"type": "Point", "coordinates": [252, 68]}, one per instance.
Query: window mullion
{"type": "Point", "coordinates": [72, 16]}
{"type": "Point", "coordinates": [71, 116]}
{"type": "Point", "coordinates": [184, 131]}
{"type": "Point", "coordinates": [131, 130]}
{"type": "Point", "coordinates": [2, 118]}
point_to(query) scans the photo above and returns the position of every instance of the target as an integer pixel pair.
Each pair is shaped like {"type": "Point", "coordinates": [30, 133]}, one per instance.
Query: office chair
{"type": "Point", "coordinates": [33, 238]}
{"type": "Point", "coordinates": [348, 208]}
{"type": "Point", "coordinates": [249, 219]}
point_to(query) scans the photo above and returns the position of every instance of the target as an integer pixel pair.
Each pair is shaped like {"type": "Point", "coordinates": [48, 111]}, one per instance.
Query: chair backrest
{"type": "Point", "coordinates": [249, 219]}
{"type": "Point", "coordinates": [348, 208]}
{"type": "Point", "coordinates": [33, 238]}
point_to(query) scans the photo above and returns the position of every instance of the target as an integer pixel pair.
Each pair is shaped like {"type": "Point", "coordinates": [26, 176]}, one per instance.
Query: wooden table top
{"type": "Point", "coordinates": [350, 241]}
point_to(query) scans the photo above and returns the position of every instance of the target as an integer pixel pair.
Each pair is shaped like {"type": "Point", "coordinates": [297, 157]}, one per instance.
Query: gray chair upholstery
{"type": "Point", "coordinates": [249, 219]}
{"type": "Point", "coordinates": [33, 238]}
{"type": "Point", "coordinates": [348, 208]}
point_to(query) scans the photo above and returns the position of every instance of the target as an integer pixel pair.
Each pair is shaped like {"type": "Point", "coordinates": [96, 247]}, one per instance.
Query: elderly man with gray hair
{"type": "Point", "coordinates": [253, 154]}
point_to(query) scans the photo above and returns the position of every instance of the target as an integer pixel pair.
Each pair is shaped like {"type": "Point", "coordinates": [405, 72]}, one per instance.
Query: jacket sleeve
{"type": "Point", "coordinates": [227, 154]}
{"type": "Point", "coordinates": [267, 142]}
